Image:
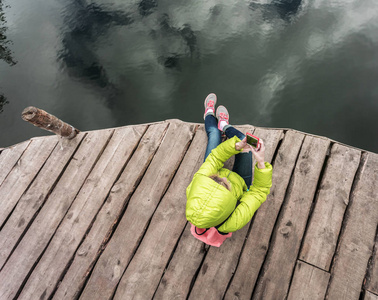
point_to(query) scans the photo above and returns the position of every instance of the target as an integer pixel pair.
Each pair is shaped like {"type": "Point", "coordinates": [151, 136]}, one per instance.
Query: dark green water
{"type": "Point", "coordinates": [307, 65]}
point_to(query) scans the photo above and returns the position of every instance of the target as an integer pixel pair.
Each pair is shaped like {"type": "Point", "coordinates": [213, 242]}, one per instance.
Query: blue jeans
{"type": "Point", "coordinates": [243, 161]}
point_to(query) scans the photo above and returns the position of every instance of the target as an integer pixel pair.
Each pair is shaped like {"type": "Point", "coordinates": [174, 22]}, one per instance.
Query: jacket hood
{"type": "Point", "coordinates": [209, 203]}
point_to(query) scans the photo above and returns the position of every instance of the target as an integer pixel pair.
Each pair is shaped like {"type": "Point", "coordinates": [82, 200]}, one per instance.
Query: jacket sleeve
{"type": "Point", "coordinates": [251, 200]}
{"type": "Point", "coordinates": [218, 156]}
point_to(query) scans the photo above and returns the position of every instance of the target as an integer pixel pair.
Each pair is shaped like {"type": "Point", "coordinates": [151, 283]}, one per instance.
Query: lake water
{"type": "Point", "coordinates": [306, 65]}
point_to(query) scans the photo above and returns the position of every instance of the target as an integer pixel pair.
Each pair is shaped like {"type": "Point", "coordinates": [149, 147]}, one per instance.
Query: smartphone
{"type": "Point", "coordinates": [252, 140]}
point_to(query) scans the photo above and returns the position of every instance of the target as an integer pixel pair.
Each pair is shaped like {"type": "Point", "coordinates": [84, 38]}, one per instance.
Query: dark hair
{"type": "Point", "coordinates": [218, 180]}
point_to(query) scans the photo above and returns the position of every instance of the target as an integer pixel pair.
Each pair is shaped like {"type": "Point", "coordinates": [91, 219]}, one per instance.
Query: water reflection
{"type": "Point", "coordinates": [86, 24]}
{"type": "Point", "coordinates": [147, 7]}
{"type": "Point", "coordinates": [5, 52]}
{"type": "Point", "coordinates": [282, 8]}
{"type": "Point", "coordinates": [167, 31]}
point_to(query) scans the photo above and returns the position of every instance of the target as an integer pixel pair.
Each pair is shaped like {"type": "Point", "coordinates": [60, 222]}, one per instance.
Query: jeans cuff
{"type": "Point", "coordinates": [226, 127]}
{"type": "Point", "coordinates": [208, 113]}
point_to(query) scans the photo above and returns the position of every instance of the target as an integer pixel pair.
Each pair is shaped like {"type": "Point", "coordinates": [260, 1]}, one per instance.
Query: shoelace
{"type": "Point", "coordinates": [223, 117]}
{"type": "Point", "coordinates": [210, 104]}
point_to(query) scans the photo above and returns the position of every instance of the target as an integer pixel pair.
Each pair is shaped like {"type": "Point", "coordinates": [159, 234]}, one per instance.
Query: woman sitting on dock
{"type": "Point", "coordinates": [220, 201]}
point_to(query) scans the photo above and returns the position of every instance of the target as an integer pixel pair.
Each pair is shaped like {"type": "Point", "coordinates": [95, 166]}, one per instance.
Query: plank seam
{"type": "Point", "coordinates": [169, 260]}
{"type": "Point", "coordinates": [301, 260]}
{"type": "Point", "coordinates": [370, 265]}
{"type": "Point", "coordinates": [17, 162]}
{"type": "Point", "coordinates": [357, 178]}
{"type": "Point", "coordinates": [313, 204]}
{"type": "Point", "coordinates": [275, 229]}
{"type": "Point", "coordinates": [179, 238]}
{"type": "Point", "coordinates": [27, 188]}
{"type": "Point", "coordinates": [278, 148]}
{"type": "Point", "coordinates": [114, 227]}
{"type": "Point", "coordinates": [64, 272]}
{"type": "Point", "coordinates": [44, 201]}
{"type": "Point", "coordinates": [309, 218]}
{"type": "Point", "coordinates": [205, 250]}
{"type": "Point", "coordinates": [52, 236]}
{"type": "Point", "coordinates": [186, 148]}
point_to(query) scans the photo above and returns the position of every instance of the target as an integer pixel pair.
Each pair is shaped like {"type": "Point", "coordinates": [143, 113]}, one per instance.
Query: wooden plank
{"type": "Point", "coordinates": [9, 158]}
{"type": "Point", "coordinates": [257, 244]}
{"type": "Point", "coordinates": [333, 196]}
{"type": "Point", "coordinates": [370, 296]}
{"type": "Point", "coordinates": [33, 199]}
{"type": "Point", "coordinates": [358, 236]}
{"type": "Point", "coordinates": [142, 276]}
{"type": "Point", "coordinates": [119, 251]}
{"type": "Point", "coordinates": [91, 248]}
{"type": "Point", "coordinates": [183, 267]}
{"type": "Point", "coordinates": [309, 282]}
{"type": "Point", "coordinates": [25, 256]}
{"type": "Point", "coordinates": [372, 284]}
{"type": "Point", "coordinates": [23, 174]}
{"type": "Point", "coordinates": [279, 265]}
{"type": "Point", "coordinates": [220, 263]}
{"type": "Point", "coordinates": [71, 231]}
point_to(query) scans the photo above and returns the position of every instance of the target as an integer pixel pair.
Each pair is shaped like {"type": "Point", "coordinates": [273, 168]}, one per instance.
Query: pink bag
{"type": "Point", "coordinates": [211, 237]}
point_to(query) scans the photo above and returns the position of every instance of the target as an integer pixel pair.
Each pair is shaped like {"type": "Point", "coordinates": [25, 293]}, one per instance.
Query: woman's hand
{"type": "Point", "coordinates": [242, 145]}
{"type": "Point", "coordinates": [259, 154]}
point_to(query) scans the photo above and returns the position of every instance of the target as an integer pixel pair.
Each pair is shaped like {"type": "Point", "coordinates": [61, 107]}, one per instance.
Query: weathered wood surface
{"type": "Point", "coordinates": [32, 200]}
{"type": "Point", "coordinates": [113, 262]}
{"type": "Point", "coordinates": [372, 284]}
{"type": "Point", "coordinates": [102, 216]}
{"type": "Point", "coordinates": [309, 282]}
{"type": "Point", "coordinates": [333, 197]}
{"type": "Point", "coordinates": [34, 242]}
{"type": "Point", "coordinates": [370, 296]}
{"type": "Point", "coordinates": [23, 173]}
{"type": "Point", "coordinates": [143, 276]}
{"type": "Point", "coordinates": [275, 279]}
{"type": "Point", "coordinates": [81, 213]}
{"type": "Point", "coordinates": [9, 158]}
{"type": "Point", "coordinates": [358, 237]}
{"type": "Point", "coordinates": [106, 220]}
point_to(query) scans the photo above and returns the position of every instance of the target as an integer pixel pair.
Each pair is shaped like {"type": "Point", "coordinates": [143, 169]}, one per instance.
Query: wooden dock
{"type": "Point", "coordinates": [102, 216]}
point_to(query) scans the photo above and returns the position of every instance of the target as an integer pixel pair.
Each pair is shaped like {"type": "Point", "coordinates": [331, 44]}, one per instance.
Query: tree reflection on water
{"type": "Point", "coordinates": [5, 52]}
{"type": "Point", "coordinates": [86, 23]}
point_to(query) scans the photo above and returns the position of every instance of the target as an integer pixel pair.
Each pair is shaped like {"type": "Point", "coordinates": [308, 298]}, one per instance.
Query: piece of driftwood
{"type": "Point", "coordinates": [46, 121]}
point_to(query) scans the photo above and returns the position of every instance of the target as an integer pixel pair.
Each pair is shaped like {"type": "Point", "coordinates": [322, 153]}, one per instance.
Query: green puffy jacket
{"type": "Point", "coordinates": [209, 203]}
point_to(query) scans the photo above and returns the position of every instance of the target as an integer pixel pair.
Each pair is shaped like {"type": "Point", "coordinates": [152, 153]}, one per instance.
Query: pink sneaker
{"type": "Point", "coordinates": [210, 102]}
{"type": "Point", "coordinates": [222, 116]}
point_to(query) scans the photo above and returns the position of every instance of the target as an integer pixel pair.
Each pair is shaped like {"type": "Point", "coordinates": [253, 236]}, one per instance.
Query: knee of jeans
{"type": "Point", "coordinates": [213, 131]}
